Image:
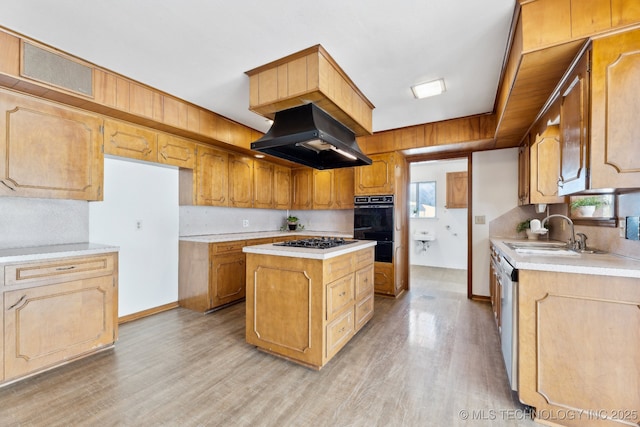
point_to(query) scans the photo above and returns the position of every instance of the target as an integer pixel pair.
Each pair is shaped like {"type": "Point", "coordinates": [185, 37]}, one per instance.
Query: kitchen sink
{"type": "Point", "coordinates": [549, 248]}
{"type": "Point", "coordinates": [536, 245]}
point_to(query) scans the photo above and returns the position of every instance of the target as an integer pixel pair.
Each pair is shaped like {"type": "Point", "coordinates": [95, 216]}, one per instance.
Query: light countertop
{"type": "Point", "coordinates": [600, 264]}
{"type": "Point", "coordinates": [230, 237]}
{"type": "Point", "coordinates": [288, 251]}
{"type": "Point", "coordinates": [36, 253]}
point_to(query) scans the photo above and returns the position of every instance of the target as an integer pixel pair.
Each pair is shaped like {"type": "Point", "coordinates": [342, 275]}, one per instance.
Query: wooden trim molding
{"type": "Point", "coordinates": [149, 312]}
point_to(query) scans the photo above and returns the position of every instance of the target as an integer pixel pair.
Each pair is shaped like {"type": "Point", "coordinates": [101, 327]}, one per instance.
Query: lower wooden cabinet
{"type": "Point", "coordinates": [306, 310]}
{"type": "Point", "coordinates": [384, 278]}
{"type": "Point", "coordinates": [56, 311]}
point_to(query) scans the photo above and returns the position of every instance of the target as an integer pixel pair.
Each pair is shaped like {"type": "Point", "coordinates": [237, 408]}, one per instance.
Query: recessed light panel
{"type": "Point", "coordinates": [427, 89]}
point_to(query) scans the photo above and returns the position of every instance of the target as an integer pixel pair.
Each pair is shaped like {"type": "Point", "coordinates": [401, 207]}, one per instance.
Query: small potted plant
{"type": "Point", "coordinates": [292, 222]}
{"type": "Point", "coordinates": [524, 226]}
{"type": "Point", "coordinates": [586, 206]}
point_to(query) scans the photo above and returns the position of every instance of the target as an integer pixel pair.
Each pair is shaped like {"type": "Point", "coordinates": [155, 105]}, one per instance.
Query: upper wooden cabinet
{"type": "Point", "coordinates": [127, 140]}
{"type": "Point", "coordinates": [615, 108]}
{"type": "Point", "coordinates": [377, 178]}
{"type": "Point", "coordinates": [263, 185]}
{"type": "Point", "coordinates": [545, 167]}
{"type": "Point", "coordinates": [302, 188]}
{"type": "Point", "coordinates": [240, 181]}
{"type": "Point", "coordinates": [282, 187]}
{"type": "Point", "coordinates": [457, 190]}
{"type": "Point", "coordinates": [523, 172]}
{"type": "Point", "coordinates": [574, 129]}
{"type": "Point", "coordinates": [324, 190]}
{"type": "Point", "coordinates": [344, 179]}
{"type": "Point", "coordinates": [211, 177]}
{"type": "Point", "coordinates": [49, 151]}
{"type": "Point", "coordinates": [176, 151]}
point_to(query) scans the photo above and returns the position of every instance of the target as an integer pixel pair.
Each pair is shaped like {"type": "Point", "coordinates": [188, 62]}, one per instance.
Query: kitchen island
{"type": "Point", "coordinates": [305, 304]}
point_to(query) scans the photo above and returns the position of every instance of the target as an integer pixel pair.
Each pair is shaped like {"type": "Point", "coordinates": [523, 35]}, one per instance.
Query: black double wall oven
{"type": "Point", "coordinates": [373, 220]}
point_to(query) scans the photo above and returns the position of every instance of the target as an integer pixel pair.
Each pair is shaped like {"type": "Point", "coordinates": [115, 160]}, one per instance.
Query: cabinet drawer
{"type": "Point", "coordinates": [339, 331]}
{"type": "Point", "coordinates": [364, 282]}
{"type": "Point", "coordinates": [339, 295]}
{"type": "Point", "coordinates": [221, 248]}
{"type": "Point", "coordinates": [335, 268]}
{"type": "Point", "coordinates": [364, 311]}
{"type": "Point", "coordinates": [59, 270]}
{"type": "Point", "coordinates": [364, 257]}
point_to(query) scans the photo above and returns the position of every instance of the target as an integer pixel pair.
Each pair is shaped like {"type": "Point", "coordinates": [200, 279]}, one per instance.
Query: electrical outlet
{"type": "Point", "coordinates": [245, 223]}
{"type": "Point", "coordinates": [480, 219]}
{"type": "Point", "coordinates": [622, 228]}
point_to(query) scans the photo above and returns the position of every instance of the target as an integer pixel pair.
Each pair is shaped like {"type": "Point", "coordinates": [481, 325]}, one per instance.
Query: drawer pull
{"type": "Point", "coordinates": [18, 302]}
{"type": "Point", "coordinates": [343, 293]}
{"type": "Point", "coordinates": [65, 268]}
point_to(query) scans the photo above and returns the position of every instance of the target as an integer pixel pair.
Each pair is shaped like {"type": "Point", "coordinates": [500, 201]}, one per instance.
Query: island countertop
{"type": "Point", "coordinates": [230, 237]}
{"type": "Point", "coordinates": [310, 253]}
{"type": "Point", "coordinates": [37, 253]}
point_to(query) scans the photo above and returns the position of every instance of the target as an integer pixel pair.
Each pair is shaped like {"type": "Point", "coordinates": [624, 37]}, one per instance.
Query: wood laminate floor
{"type": "Point", "coordinates": [428, 358]}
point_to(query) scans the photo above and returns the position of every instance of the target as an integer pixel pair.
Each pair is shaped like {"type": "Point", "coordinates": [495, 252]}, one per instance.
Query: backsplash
{"type": "Point", "coordinates": [34, 222]}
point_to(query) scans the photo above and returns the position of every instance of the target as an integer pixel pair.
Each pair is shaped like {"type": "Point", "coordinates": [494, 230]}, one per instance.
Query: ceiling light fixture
{"type": "Point", "coordinates": [432, 88]}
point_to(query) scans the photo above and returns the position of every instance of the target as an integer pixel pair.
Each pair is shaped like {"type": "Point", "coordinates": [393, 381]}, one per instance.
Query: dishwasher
{"type": "Point", "coordinates": [508, 277]}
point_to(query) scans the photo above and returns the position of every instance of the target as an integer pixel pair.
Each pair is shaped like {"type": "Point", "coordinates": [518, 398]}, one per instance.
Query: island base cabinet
{"type": "Point", "coordinates": [578, 348]}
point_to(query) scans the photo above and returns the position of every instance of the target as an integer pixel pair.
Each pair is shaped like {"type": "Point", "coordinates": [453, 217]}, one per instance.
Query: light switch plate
{"type": "Point", "coordinates": [480, 219]}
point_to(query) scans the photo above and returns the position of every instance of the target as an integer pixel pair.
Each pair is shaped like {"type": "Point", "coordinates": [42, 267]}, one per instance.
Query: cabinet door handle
{"type": "Point", "coordinates": [65, 268]}
{"type": "Point", "coordinates": [18, 302]}
{"type": "Point", "coordinates": [7, 185]}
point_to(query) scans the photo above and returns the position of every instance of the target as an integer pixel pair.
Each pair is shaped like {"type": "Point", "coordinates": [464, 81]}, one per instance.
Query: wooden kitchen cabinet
{"type": "Point", "coordinates": [524, 172]}
{"type": "Point", "coordinates": [58, 310]}
{"type": "Point", "coordinates": [574, 129]}
{"type": "Point", "coordinates": [302, 188]}
{"type": "Point", "coordinates": [379, 177]}
{"type": "Point", "coordinates": [457, 190]}
{"type": "Point", "coordinates": [263, 185]}
{"type": "Point", "coordinates": [384, 278]}
{"type": "Point", "coordinates": [324, 190]}
{"type": "Point", "coordinates": [49, 151]}
{"type": "Point", "coordinates": [615, 108]}
{"type": "Point", "coordinates": [344, 179]}
{"type": "Point", "coordinates": [131, 141]}
{"type": "Point", "coordinates": [209, 182]}
{"type": "Point", "coordinates": [578, 346]}
{"type": "Point", "coordinates": [176, 151]}
{"type": "Point", "coordinates": [240, 181]}
{"type": "Point", "coordinates": [282, 187]}
{"type": "Point", "coordinates": [545, 167]}
{"type": "Point", "coordinates": [306, 310]}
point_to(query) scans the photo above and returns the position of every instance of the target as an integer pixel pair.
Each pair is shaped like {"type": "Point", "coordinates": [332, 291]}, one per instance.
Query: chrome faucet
{"type": "Point", "coordinates": [581, 241]}
{"type": "Point", "coordinates": [572, 239]}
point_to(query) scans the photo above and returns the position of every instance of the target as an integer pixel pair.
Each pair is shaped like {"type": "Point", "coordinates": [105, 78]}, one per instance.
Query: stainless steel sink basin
{"type": "Point", "coordinates": [548, 248]}
{"type": "Point", "coordinates": [536, 245]}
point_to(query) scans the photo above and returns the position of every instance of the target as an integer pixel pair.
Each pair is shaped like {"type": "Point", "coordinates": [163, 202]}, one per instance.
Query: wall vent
{"type": "Point", "coordinates": [55, 69]}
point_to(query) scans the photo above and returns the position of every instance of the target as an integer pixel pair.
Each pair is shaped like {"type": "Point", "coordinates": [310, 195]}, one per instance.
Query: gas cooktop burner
{"type": "Point", "coordinates": [316, 243]}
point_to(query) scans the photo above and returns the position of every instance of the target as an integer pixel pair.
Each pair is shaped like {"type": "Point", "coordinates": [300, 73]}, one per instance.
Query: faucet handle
{"type": "Point", "coordinates": [582, 240]}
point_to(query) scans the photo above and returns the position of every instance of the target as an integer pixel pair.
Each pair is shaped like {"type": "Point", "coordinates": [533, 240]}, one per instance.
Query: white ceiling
{"type": "Point", "coordinates": [198, 50]}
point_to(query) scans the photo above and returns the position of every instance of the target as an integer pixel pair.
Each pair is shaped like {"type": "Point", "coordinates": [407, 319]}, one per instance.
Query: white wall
{"type": "Point", "coordinates": [148, 259]}
{"type": "Point", "coordinates": [495, 191]}
{"type": "Point", "coordinates": [449, 250]}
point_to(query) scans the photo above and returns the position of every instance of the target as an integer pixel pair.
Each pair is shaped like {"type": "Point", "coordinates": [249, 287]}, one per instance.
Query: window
{"type": "Point", "coordinates": [422, 199]}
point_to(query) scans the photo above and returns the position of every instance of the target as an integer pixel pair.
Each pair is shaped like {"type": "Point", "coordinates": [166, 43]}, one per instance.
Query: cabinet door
{"type": "Point", "coordinates": [282, 187]}
{"type": "Point", "coordinates": [49, 324]}
{"type": "Point", "coordinates": [545, 167]}
{"type": "Point", "coordinates": [49, 151]}
{"type": "Point", "coordinates": [457, 190]}
{"type": "Point", "coordinates": [227, 278]}
{"type": "Point", "coordinates": [240, 182]}
{"type": "Point", "coordinates": [383, 278]}
{"type": "Point", "coordinates": [523, 173]}
{"type": "Point", "coordinates": [302, 188]}
{"type": "Point", "coordinates": [126, 140]}
{"type": "Point", "coordinates": [344, 180]}
{"type": "Point", "coordinates": [376, 178]}
{"type": "Point", "coordinates": [615, 108]}
{"type": "Point", "coordinates": [176, 151]}
{"type": "Point", "coordinates": [574, 129]}
{"type": "Point", "coordinates": [323, 189]}
{"type": "Point", "coordinates": [263, 177]}
{"type": "Point", "coordinates": [211, 177]}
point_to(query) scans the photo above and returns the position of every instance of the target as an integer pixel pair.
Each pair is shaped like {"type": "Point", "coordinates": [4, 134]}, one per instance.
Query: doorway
{"type": "Point", "coordinates": [439, 233]}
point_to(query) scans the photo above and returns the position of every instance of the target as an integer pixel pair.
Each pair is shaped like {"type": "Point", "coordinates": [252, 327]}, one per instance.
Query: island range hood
{"type": "Point", "coordinates": [310, 136]}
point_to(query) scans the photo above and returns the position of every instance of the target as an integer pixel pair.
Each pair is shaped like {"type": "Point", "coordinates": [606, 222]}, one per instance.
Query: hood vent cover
{"type": "Point", "coordinates": [311, 137]}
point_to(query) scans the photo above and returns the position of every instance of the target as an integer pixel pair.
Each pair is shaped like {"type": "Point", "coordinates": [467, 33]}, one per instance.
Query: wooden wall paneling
{"type": "Point", "coordinates": [207, 123]}
{"type": "Point", "coordinates": [141, 101]}
{"type": "Point", "coordinates": [589, 17]}
{"type": "Point", "coordinates": [282, 79]}
{"type": "Point", "coordinates": [9, 54]}
{"type": "Point", "coordinates": [175, 112]}
{"type": "Point", "coordinates": [239, 135]}
{"type": "Point", "coordinates": [409, 137]}
{"type": "Point", "coordinates": [122, 94]}
{"type": "Point", "coordinates": [193, 118]}
{"type": "Point", "coordinates": [223, 129]}
{"type": "Point", "coordinates": [297, 76]}
{"type": "Point", "coordinates": [545, 23]}
{"type": "Point", "coordinates": [624, 12]}
{"type": "Point", "coordinates": [268, 86]}
{"type": "Point", "coordinates": [104, 88]}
